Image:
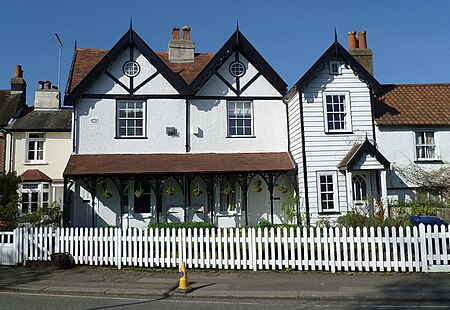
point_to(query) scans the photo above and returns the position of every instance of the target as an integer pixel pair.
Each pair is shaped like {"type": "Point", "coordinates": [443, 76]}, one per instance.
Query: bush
{"type": "Point", "coordinates": [420, 208]}
{"type": "Point", "coordinates": [50, 216]}
{"type": "Point", "coordinates": [9, 200]}
{"type": "Point", "coordinates": [182, 225]}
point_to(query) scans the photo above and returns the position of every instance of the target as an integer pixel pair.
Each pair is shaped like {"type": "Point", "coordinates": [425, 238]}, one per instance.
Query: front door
{"type": "Point", "coordinates": [361, 190]}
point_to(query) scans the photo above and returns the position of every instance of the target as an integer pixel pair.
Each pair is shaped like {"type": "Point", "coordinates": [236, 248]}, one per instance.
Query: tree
{"type": "Point", "coordinates": [436, 182]}
{"type": "Point", "coordinates": [9, 200]}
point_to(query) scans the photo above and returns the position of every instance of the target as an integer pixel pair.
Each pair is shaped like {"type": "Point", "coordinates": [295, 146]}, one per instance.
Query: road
{"type": "Point", "coordinates": [14, 300]}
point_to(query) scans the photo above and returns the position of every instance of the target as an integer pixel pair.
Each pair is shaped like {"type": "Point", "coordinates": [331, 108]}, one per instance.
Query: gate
{"type": "Point", "coordinates": [7, 248]}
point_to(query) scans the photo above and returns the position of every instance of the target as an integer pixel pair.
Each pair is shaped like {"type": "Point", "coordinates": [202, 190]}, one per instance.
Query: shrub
{"type": "Point", "coordinates": [9, 199]}
{"type": "Point", "coordinates": [182, 225]}
{"type": "Point", "coordinates": [50, 216]}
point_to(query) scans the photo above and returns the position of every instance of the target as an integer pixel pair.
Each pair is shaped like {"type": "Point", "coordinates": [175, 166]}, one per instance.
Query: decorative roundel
{"type": "Point", "coordinates": [237, 69]}
{"type": "Point", "coordinates": [131, 68]}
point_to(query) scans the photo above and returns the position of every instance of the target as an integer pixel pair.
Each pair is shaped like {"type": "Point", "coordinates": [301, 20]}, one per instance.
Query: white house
{"type": "Point", "coordinates": [413, 128]}
{"type": "Point", "coordinates": [177, 135]}
{"type": "Point", "coordinates": [332, 133]}
{"type": "Point", "coordinates": [39, 145]}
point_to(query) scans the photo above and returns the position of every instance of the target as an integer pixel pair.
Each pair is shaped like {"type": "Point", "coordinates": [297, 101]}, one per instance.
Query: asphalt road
{"type": "Point", "coordinates": [13, 300]}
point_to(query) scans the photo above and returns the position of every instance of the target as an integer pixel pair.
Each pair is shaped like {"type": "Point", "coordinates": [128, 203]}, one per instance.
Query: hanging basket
{"type": "Point", "coordinates": [228, 190]}
{"type": "Point", "coordinates": [257, 187]}
{"type": "Point", "coordinates": [139, 191]}
{"type": "Point", "coordinates": [197, 191]}
{"type": "Point", "coordinates": [283, 188]}
{"type": "Point", "coordinates": [170, 190]}
{"type": "Point", "coordinates": [107, 194]}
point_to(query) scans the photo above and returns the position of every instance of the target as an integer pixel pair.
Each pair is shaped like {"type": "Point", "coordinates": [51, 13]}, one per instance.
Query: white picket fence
{"type": "Point", "coordinates": [330, 249]}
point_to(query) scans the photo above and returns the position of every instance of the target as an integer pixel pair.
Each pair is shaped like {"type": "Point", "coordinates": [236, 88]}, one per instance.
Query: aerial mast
{"type": "Point", "coordinates": [60, 44]}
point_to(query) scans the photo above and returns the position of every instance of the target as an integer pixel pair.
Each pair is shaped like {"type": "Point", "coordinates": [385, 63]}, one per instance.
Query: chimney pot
{"type": "Point", "coordinates": [176, 33]}
{"type": "Point", "coordinates": [41, 84]}
{"type": "Point", "coordinates": [48, 85]}
{"type": "Point", "coordinates": [362, 39]}
{"type": "Point", "coordinates": [352, 43]}
{"type": "Point", "coordinates": [18, 72]}
{"type": "Point", "coordinates": [186, 33]}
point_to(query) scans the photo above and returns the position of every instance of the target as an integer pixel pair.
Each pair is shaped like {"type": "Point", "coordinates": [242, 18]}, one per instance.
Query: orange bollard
{"type": "Point", "coordinates": [184, 284]}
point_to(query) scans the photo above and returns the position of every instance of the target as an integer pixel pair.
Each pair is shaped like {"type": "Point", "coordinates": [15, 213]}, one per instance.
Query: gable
{"type": "Point", "coordinates": [335, 51]}
{"type": "Point", "coordinates": [237, 48]}
{"type": "Point", "coordinates": [251, 83]}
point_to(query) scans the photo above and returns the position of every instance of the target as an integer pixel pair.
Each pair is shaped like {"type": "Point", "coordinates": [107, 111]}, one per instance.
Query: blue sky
{"type": "Point", "coordinates": [410, 39]}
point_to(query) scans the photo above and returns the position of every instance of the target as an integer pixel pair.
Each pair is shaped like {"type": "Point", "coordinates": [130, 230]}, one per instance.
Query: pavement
{"type": "Point", "coordinates": [163, 283]}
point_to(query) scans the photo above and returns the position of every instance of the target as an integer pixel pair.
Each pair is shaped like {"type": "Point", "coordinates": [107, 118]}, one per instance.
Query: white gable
{"type": "Point", "coordinates": [367, 162]}
{"type": "Point", "coordinates": [106, 85]}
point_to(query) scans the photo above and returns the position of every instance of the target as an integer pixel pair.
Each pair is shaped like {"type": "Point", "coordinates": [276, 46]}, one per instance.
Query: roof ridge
{"type": "Point", "coordinates": [418, 84]}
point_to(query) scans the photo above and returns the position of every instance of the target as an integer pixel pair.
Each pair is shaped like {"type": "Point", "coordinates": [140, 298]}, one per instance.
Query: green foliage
{"type": "Point", "coordinates": [420, 208]}
{"type": "Point", "coordinates": [50, 216]}
{"type": "Point", "coordinates": [9, 200]}
{"type": "Point", "coordinates": [266, 224]}
{"type": "Point", "coordinates": [182, 225]}
{"type": "Point", "coordinates": [289, 207]}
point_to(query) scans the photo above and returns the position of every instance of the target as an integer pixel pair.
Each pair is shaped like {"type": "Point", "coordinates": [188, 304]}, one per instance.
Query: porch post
{"type": "Point", "coordinates": [384, 198]}
{"type": "Point", "coordinates": [66, 210]}
{"type": "Point", "coordinates": [186, 191]}
{"type": "Point", "coordinates": [158, 193]}
{"type": "Point", "coordinates": [348, 179]}
{"type": "Point", "coordinates": [271, 188]}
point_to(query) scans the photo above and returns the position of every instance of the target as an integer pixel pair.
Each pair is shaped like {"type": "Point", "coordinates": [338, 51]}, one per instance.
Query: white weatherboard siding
{"type": "Point", "coordinates": [324, 151]}
{"type": "Point", "coordinates": [398, 145]}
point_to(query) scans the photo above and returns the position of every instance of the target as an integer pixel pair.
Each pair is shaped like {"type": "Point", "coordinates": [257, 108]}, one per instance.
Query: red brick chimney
{"type": "Point", "coordinates": [176, 33]}
{"type": "Point", "coordinates": [357, 47]}
{"type": "Point", "coordinates": [18, 84]}
{"type": "Point", "coordinates": [186, 33]}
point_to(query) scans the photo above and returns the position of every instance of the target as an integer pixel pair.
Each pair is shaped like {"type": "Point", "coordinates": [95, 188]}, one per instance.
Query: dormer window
{"type": "Point", "coordinates": [335, 67]}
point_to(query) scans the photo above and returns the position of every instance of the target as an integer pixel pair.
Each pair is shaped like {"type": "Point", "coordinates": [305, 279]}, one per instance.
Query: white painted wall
{"type": "Point", "coordinates": [398, 145]}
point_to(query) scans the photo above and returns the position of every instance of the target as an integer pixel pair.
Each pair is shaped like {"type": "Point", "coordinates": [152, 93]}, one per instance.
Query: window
{"type": "Point", "coordinates": [327, 191]}
{"type": "Point", "coordinates": [34, 196]}
{"type": "Point", "coordinates": [337, 113]}
{"type": "Point", "coordinates": [425, 145]}
{"type": "Point", "coordinates": [237, 69]}
{"type": "Point", "coordinates": [35, 147]}
{"type": "Point", "coordinates": [334, 67]}
{"type": "Point", "coordinates": [240, 120]}
{"type": "Point", "coordinates": [131, 68]}
{"type": "Point", "coordinates": [130, 119]}
{"type": "Point", "coordinates": [228, 195]}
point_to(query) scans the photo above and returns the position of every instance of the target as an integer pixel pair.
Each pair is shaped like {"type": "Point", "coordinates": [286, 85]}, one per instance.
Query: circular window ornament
{"type": "Point", "coordinates": [237, 69]}
{"type": "Point", "coordinates": [131, 68]}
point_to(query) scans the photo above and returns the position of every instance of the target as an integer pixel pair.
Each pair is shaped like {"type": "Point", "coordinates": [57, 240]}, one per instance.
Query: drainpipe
{"type": "Point", "coordinates": [188, 126]}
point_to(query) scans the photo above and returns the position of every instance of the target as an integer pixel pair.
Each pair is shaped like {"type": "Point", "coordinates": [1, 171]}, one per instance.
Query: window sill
{"type": "Point", "coordinates": [339, 132]}
{"type": "Point", "coordinates": [329, 212]}
{"type": "Point", "coordinates": [429, 161]}
{"type": "Point", "coordinates": [31, 163]}
{"type": "Point", "coordinates": [130, 138]}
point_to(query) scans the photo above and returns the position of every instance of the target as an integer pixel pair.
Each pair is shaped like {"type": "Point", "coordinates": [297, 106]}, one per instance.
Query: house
{"type": "Point", "coordinates": [38, 147]}
{"type": "Point", "coordinates": [332, 133]}
{"type": "Point", "coordinates": [11, 102]}
{"type": "Point", "coordinates": [176, 136]}
{"type": "Point", "coordinates": [416, 117]}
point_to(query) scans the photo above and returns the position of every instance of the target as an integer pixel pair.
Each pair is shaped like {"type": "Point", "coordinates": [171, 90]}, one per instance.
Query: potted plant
{"type": "Point", "coordinates": [170, 190]}
{"type": "Point", "coordinates": [257, 187]}
{"type": "Point", "coordinates": [139, 191]}
{"type": "Point", "coordinates": [197, 191]}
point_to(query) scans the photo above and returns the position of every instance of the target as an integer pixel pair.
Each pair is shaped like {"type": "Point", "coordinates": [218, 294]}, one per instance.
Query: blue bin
{"type": "Point", "coordinates": [427, 220]}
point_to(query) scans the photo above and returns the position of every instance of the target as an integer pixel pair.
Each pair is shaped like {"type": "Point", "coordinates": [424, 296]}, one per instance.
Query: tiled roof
{"type": "Point", "coordinates": [414, 105]}
{"type": "Point", "coordinates": [87, 58]}
{"type": "Point", "coordinates": [116, 164]}
{"type": "Point", "coordinates": [9, 105]}
{"type": "Point", "coordinates": [42, 120]}
{"type": "Point", "coordinates": [34, 175]}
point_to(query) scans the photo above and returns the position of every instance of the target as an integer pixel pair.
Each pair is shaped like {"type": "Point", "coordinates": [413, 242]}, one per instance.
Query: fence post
{"type": "Point", "coordinates": [16, 242]}
{"type": "Point", "coordinates": [25, 245]}
{"type": "Point", "coordinates": [118, 233]}
{"type": "Point", "coordinates": [253, 246]}
{"type": "Point", "coordinates": [423, 248]}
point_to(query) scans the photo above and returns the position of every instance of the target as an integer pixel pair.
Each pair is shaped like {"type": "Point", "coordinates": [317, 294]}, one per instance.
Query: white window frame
{"type": "Point", "coordinates": [425, 145]}
{"type": "Point", "coordinates": [348, 113]}
{"type": "Point", "coordinates": [126, 118]}
{"type": "Point", "coordinates": [229, 119]}
{"type": "Point", "coordinates": [39, 188]}
{"type": "Point", "coordinates": [330, 67]}
{"type": "Point", "coordinates": [335, 191]}
{"type": "Point", "coordinates": [35, 151]}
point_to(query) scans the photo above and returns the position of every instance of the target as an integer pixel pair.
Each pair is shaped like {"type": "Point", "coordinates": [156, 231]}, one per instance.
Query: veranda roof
{"type": "Point", "coordinates": [123, 164]}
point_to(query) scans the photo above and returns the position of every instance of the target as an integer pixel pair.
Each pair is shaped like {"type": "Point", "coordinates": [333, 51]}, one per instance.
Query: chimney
{"type": "Point", "coordinates": [46, 97]}
{"type": "Point", "coordinates": [181, 50]}
{"type": "Point", "coordinates": [357, 47]}
{"type": "Point", "coordinates": [18, 84]}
